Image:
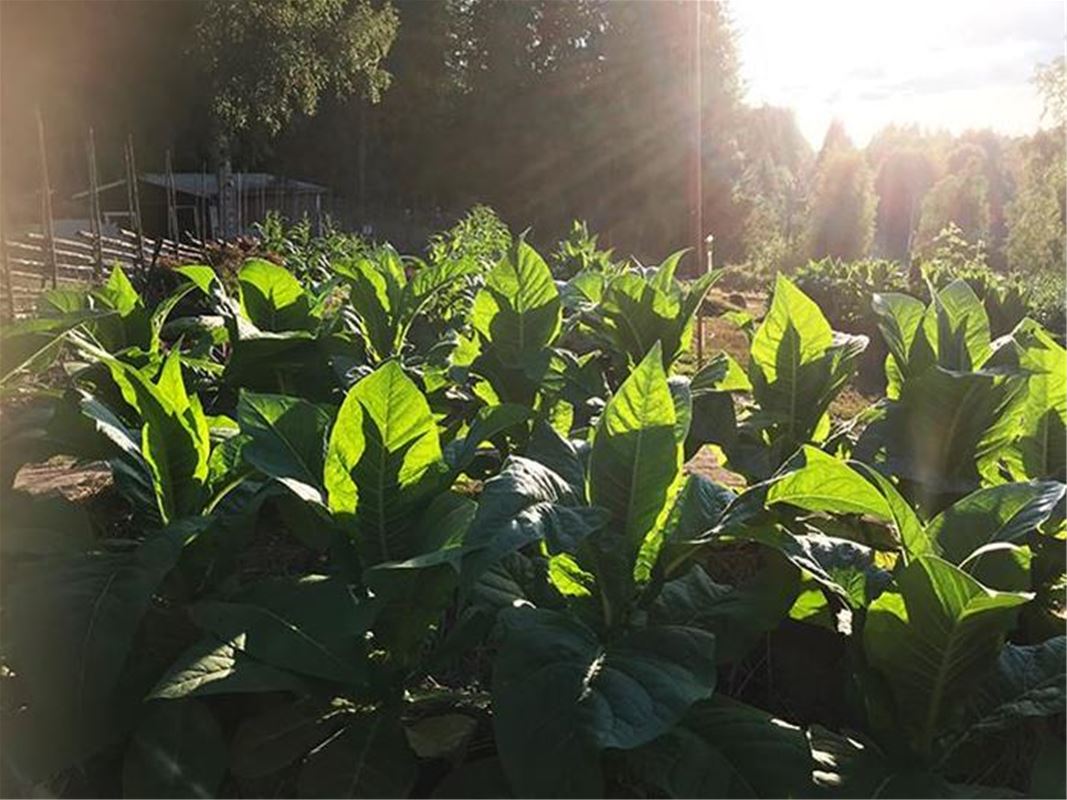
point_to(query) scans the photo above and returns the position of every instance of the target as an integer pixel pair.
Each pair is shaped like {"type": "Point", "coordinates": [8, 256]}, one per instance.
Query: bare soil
{"type": "Point", "coordinates": [63, 476]}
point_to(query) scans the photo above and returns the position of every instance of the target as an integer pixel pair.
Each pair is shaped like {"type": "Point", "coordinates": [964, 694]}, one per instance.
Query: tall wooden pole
{"type": "Point", "coordinates": [94, 208]}
{"type": "Point", "coordinates": [696, 180]}
{"type": "Point", "coordinates": [47, 222]}
{"type": "Point", "coordinates": [134, 198]}
{"type": "Point", "coordinates": [8, 288]}
{"type": "Point", "coordinates": [202, 233]}
{"type": "Point", "coordinates": [172, 204]}
{"type": "Point", "coordinates": [362, 161]}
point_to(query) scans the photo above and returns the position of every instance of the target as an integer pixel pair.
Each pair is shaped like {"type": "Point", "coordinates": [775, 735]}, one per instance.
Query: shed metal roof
{"type": "Point", "coordinates": [207, 184]}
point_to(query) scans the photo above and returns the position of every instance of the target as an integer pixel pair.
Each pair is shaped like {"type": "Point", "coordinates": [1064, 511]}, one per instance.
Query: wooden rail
{"type": "Point", "coordinates": [32, 262]}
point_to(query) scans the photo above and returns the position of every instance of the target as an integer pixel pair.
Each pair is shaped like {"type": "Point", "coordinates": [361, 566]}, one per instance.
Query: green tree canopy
{"type": "Point", "coordinates": [960, 197]}
{"type": "Point", "coordinates": [843, 206]}
{"type": "Point", "coordinates": [269, 59]}
{"type": "Point", "coordinates": [904, 176]}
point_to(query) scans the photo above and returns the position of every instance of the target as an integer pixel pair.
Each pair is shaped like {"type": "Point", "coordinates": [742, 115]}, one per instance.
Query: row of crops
{"type": "Point", "coordinates": [392, 528]}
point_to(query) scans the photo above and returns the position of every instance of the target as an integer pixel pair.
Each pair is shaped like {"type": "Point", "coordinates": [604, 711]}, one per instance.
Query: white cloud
{"type": "Point", "coordinates": [952, 64]}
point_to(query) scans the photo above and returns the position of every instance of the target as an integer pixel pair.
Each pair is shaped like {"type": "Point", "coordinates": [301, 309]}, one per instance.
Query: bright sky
{"type": "Point", "coordinates": [953, 64]}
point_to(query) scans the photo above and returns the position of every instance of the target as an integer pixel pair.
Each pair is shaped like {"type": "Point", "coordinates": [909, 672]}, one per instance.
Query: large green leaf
{"type": "Point", "coordinates": [383, 463]}
{"type": "Point", "coordinates": [518, 311]}
{"type": "Point", "coordinates": [637, 311]}
{"type": "Point", "coordinates": [737, 615]}
{"type": "Point", "coordinates": [178, 750]}
{"type": "Point", "coordinates": [370, 757]}
{"type": "Point", "coordinates": [696, 509]}
{"type": "Point", "coordinates": [70, 625]}
{"type": "Point", "coordinates": [427, 282]}
{"type": "Point", "coordinates": [32, 344]}
{"type": "Point", "coordinates": [797, 366]}
{"type": "Point", "coordinates": [842, 566]}
{"type": "Point", "coordinates": [175, 440]}
{"type": "Point", "coordinates": [962, 327]}
{"type": "Point", "coordinates": [286, 441]}
{"type": "Point", "coordinates": [387, 303]}
{"type": "Point", "coordinates": [489, 423]}
{"type": "Point", "coordinates": [561, 696]}
{"type": "Point", "coordinates": [932, 638]}
{"type": "Point", "coordinates": [274, 739]}
{"type": "Point", "coordinates": [213, 666]}
{"type": "Point", "coordinates": [409, 596]}
{"type": "Point", "coordinates": [634, 469]}
{"type": "Point", "coordinates": [565, 457]}
{"type": "Point", "coordinates": [375, 295]}
{"type": "Point", "coordinates": [794, 332]}
{"type": "Point", "coordinates": [134, 479]}
{"type": "Point", "coordinates": [947, 429]}
{"type": "Point", "coordinates": [1027, 682]}
{"type": "Point", "coordinates": [900, 319]}
{"type": "Point", "coordinates": [1040, 451]}
{"type": "Point", "coordinates": [119, 293]}
{"type": "Point", "coordinates": [130, 326]}
{"type": "Point", "coordinates": [824, 483]}
{"type": "Point", "coordinates": [298, 363]}
{"type": "Point", "coordinates": [721, 374]}
{"type": "Point", "coordinates": [524, 503]}
{"type": "Point", "coordinates": [312, 626]}
{"type": "Point", "coordinates": [634, 314]}
{"type": "Point", "coordinates": [200, 278]}
{"type": "Point", "coordinates": [724, 748]}
{"type": "Point", "coordinates": [1006, 513]}
{"type": "Point", "coordinates": [272, 298]}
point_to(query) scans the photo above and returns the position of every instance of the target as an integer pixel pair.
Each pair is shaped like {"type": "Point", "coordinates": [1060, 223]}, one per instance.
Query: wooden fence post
{"type": "Point", "coordinates": [133, 198]}
{"type": "Point", "coordinates": [172, 205]}
{"type": "Point", "coordinates": [94, 208]}
{"type": "Point", "coordinates": [202, 232]}
{"type": "Point", "coordinates": [8, 288]}
{"type": "Point", "coordinates": [47, 223]}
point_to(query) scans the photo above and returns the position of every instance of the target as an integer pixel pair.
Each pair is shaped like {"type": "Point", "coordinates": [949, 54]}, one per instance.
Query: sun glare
{"type": "Point", "coordinates": [951, 65]}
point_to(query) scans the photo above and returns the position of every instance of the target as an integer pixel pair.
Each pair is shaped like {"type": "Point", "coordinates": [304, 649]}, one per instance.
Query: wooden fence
{"type": "Point", "coordinates": [36, 262]}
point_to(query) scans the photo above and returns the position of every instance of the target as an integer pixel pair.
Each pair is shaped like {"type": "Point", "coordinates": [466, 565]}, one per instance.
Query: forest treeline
{"type": "Point", "coordinates": [544, 110]}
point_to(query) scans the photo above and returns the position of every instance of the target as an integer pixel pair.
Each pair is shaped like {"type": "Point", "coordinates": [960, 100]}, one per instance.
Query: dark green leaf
{"type": "Point", "coordinates": [178, 750]}
{"type": "Point", "coordinates": [70, 624]}
{"type": "Point", "coordinates": [369, 758]}
{"type": "Point", "coordinates": [274, 739]}
{"type": "Point", "coordinates": [527, 502]}
{"type": "Point", "coordinates": [1006, 513]}
{"type": "Point", "coordinates": [1028, 681]}
{"type": "Point", "coordinates": [561, 696]}
{"type": "Point", "coordinates": [212, 666]}
{"type": "Point", "coordinates": [310, 625]}
{"type": "Point", "coordinates": [724, 748]}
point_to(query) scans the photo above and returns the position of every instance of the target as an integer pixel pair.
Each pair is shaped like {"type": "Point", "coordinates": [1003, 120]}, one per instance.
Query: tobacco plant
{"type": "Point", "coordinates": [344, 557]}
